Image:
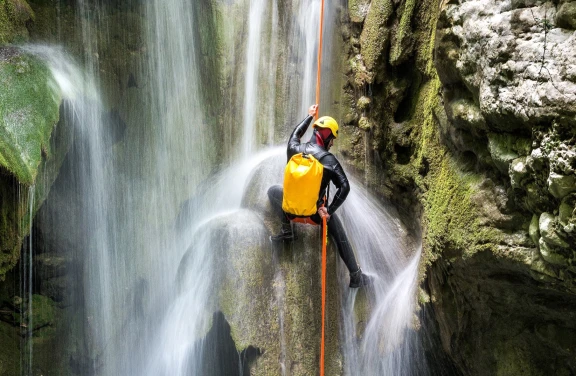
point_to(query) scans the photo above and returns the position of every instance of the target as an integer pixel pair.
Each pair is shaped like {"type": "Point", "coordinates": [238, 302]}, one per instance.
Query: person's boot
{"type": "Point", "coordinates": [359, 279]}
{"type": "Point", "coordinates": [285, 235]}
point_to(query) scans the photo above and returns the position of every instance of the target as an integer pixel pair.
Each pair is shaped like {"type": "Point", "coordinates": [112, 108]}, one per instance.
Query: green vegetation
{"type": "Point", "coordinates": [29, 105]}
{"type": "Point", "coordinates": [375, 34]}
{"type": "Point", "coordinates": [403, 33]}
{"type": "Point", "coordinates": [30, 151]}
{"type": "Point", "coordinates": [13, 17]}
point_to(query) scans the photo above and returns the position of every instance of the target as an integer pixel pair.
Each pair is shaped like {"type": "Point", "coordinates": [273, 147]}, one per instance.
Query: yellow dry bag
{"type": "Point", "coordinates": [302, 179]}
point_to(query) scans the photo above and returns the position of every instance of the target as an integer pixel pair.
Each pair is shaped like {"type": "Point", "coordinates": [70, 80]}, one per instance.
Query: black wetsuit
{"type": "Point", "coordinates": [333, 172]}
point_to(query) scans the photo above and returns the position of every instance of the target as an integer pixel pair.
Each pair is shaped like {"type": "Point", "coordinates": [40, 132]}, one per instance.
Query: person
{"type": "Point", "coordinates": [325, 132]}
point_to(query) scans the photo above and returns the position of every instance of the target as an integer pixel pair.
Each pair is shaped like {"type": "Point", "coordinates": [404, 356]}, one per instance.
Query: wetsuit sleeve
{"type": "Point", "coordinates": [294, 141]}
{"type": "Point", "coordinates": [340, 180]}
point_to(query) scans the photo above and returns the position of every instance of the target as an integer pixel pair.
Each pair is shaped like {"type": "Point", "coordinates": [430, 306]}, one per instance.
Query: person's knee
{"type": "Point", "coordinates": [275, 193]}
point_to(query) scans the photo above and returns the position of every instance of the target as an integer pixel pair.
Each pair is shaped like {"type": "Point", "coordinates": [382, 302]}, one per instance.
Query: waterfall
{"type": "Point", "coordinates": [251, 98]}
{"type": "Point", "coordinates": [150, 208]}
{"type": "Point", "coordinates": [27, 287]}
{"type": "Point", "coordinates": [388, 345]}
{"type": "Point", "coordinates": [94, 177]}
{"type": "Point", "coordinates": [308, 22]}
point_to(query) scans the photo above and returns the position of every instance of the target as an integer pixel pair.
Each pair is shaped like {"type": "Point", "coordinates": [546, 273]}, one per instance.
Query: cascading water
{"type": "Point", "coordinates": [308, 23]}
{"type": "Point", "coordinates": [388, 345]}
{"type": "Point", "coordinates": [94, 177]}
{"type": "Point", "coordinates": [251, 99]}
{"type": "Point", "coordinates": [149, 302]}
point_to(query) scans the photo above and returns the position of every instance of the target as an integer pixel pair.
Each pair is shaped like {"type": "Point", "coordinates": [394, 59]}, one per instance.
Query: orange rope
{"type": "Point", "coordinates": [324, 230]}
{"type": "Point", "coordinates": [324, 225]}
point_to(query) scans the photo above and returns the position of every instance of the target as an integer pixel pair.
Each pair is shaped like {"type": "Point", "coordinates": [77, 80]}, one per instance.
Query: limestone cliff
{"type": "Point", "coordinates": [466, 108]}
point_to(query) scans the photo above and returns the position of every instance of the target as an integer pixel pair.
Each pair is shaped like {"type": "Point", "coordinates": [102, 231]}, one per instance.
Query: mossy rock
{"type": "Point", "coordinates": [51, 356]}
{"type": "Point", "coordinates": [32, 148]}
{"type": "Point", "coordinates": [358, 10]}
{"type": "Point", "coordinates": [266, 291]}
{"type": "Point", "coordinates": [506, 147]}
{"type": "Point", "coordinates": [29, 110]}
{"type": "Point", "coordinates": [566, 16]}
{"type": "Point", "coordinates": [14, 14]}
{"type": "Point", "coordinates": [9, 350]}
{"type": "Point", "coordinates": [375, 34]}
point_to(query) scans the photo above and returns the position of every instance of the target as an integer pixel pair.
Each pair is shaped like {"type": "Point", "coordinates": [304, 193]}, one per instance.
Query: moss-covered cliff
{"type": "Point", "coordinates": [14, 16]}
{"type": "Point", "coordinates": [31, 151]}
{"type": "Point", "coordinates": [462, 114]}
{"type": "Point", "coordinates": [33, 145]}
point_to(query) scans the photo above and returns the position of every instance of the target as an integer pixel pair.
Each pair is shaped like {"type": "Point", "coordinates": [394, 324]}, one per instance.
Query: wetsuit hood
{"type": "Point", "coordinates": [322, 137]}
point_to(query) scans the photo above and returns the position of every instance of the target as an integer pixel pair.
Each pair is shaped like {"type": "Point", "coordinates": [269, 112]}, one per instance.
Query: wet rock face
{"type": "Point", "coordinates": [510, 60]}
{"type": "Point", "coordinates": [496, 319]}
{"type": "Point", "coordinates": [32, 147]}
{"type": "Point", "coordinates": [508, 78]}
{"type": "Point", "coordinates": [479, 133]}
{"type": "Point", "coordinates": [508, 91]}
{"type": "Point", "coordinates": [219, 353]}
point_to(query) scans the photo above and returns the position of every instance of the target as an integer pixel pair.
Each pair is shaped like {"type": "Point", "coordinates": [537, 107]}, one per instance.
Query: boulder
{"type": "Point", "coordinates": [550, 255]}
{"type": "Point", "coordinates": [566, 16]}
{"type": "Point", "coordinates": [32, 148]}
{"type": "Point", "coordinates": [268, 294]}
{"type": "Point", "coordinates": [518, 172]}
{"type": "Point", "coordinates": [561, 185]}
{"type": "Point", "coordinates": [547, 226]}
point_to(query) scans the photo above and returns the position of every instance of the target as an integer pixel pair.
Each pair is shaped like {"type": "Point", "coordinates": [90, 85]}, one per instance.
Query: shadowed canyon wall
{"type": "Point", "coordinates": [463, 114]}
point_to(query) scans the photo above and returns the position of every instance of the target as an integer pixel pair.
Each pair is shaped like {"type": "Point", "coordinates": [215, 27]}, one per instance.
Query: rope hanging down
{"type": "Point", "coordinates": [324, 225]}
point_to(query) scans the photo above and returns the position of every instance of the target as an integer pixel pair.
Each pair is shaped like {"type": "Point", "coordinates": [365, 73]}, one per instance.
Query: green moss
{"type": "Point", "coordinates": [13, 17]}
{"type": "Point", "coordinates": [375, 34]}
{"type": "Point", "coordinates": [51, 357]}
{"type": "Point", "coordinates": [43, 312]}
{"type": "Point", "coordinates": [29, 108]}
{"type": "Point", "coordinates": [451, 219]}
{"type": "Point", "coordinates": [403, 32]}
{"type": "Point", "coordinates": [9, 350]}
{"type": "Point", "coordinates": [32, 149]}
{"type": "Point", "coordinates": [357, 10]}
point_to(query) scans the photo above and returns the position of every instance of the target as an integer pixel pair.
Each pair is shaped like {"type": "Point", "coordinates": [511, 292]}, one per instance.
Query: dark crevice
{"type": "Point", "coordinates": [469, 161]}
{"type": "Point", "coordinates": [406, 108]}
{"type": "Point", "coordinates": [403, 154]}
{"type": "Point", "coordinates": [218, 354]}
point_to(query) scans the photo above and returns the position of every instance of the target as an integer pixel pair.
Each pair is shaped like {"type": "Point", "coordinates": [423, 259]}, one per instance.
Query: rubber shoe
{"type": "Point", "coordinates": [359, 279]}
{"type": "Point", "coordinates": [283, 237]}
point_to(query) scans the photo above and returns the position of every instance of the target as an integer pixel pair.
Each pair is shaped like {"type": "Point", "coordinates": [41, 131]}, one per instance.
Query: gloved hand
{"type": "Point", "coordinates": [323, 213]}
{"type": "Point", "coordinates": [313, 110]}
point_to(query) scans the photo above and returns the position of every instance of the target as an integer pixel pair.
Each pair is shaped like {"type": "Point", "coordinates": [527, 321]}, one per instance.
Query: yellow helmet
{"type": "Point", "coordinates": [327, 122]}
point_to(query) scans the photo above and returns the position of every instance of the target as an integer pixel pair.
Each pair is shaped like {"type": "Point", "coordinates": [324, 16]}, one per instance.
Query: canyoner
{"type": "Point", "coordinates": [303, 199]}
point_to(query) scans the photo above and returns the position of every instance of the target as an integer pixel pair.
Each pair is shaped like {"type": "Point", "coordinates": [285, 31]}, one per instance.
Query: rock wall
{"type": "Point", "coordinates": [33, 145]}
{"type": "Point", "coordinates": [462, 113]}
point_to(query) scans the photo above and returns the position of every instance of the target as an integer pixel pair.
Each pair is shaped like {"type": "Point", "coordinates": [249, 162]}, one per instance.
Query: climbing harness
{"type": "Point", "coordinates": [324, 224]}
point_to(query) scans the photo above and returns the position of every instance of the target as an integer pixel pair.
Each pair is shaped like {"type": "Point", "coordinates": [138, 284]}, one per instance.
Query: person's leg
{"type": "Point", "coordinates": [275, 194]}
{"type": "Point", "coordinates": [338, 234]}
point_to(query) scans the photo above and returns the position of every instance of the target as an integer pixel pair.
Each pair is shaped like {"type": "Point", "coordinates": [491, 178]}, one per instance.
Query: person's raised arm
{"type": "Point", "coordinates": [294, 141]}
